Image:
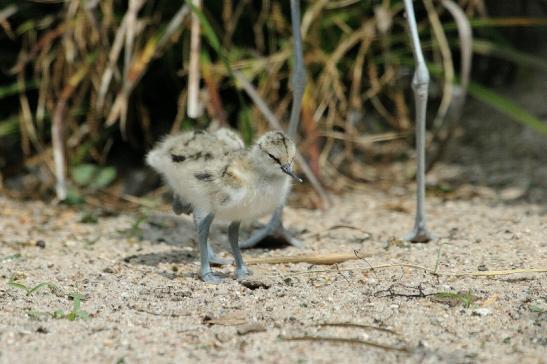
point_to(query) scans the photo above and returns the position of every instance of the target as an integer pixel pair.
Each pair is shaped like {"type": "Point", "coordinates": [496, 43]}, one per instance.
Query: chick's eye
{"type": "Point", "coordinates": [274, 158]}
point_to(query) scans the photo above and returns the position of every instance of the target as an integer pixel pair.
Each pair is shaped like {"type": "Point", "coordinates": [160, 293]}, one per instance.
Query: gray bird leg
{"type": "Point", "coordinates": [299, 70]}
{"type": "Point", "coordinates": [205, 273]}
{"type": "Point", "coordinates": [420, 84]}
{"type": "Point", "coordinates": [275, 225]}
{"type": "Point", "coordinates": [233, 236]}
{"type": "Point", "coordinates": [273, 228]}
{"type": "Point", "coordinates": [213, 259]}
{"type": "Point", "coordinates": [182, 207]}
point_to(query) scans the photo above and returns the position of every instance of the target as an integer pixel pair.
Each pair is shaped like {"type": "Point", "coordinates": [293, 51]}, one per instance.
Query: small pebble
{"type": "Point", "coordinates": [41, 244]}
{"type": "Point", "coordinates": [42, 330]}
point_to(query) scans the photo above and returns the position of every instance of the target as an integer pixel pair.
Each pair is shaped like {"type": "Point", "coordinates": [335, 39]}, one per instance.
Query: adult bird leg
{"type": "Point", "coordinates": [275, 227]}
{"type": "Point", "coordinates": [233, 236]}
{"type": "Point", "coordinates": [299, 71]}
{"type": "Point", "coordinates": [420, 84]}
{"type": "Point", "coordinates": [205, 273]}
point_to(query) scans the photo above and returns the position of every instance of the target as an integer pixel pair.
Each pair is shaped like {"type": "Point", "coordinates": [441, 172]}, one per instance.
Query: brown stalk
{"type": "Point", "coordinates": [465, 35]}
{"type": "Point", "coordinates": [181, 107]}
{"type": "Point", "coordinates": [309, 128]}
{"type": "Point", "coordinates": [231, 25]}
{"type": "Point", "coordinates": [448, 65]}
{"type": "Point", "coordinates": [28, 131]}
{"type": "Point", "coordinates": [214, 102]}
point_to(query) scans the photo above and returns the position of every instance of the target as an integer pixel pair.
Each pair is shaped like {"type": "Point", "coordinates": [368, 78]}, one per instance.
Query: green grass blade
{"type": "Point", "coordinates": [37, 287]}
{"type": "Point", "coordinates": [494, 100]}
{"type": "Point", "coordinates": [14, 88]}
{"type": "Point", "coordinates": [18, 285]}
{"type": "Point", "coordinates": [77, 300]}
{"type": "Point", "coordinates": [502, 22]}
{"type": "Point", "coordinates": [507, 107]}
{"type": "Point", "coordinates": [207, 28]}
{"type": "Point", "coordinates": [58, 314]}
{"type": "Point", "coordinates": [508, 53]}
{"type": "Point", "coordinates": [9, 126]}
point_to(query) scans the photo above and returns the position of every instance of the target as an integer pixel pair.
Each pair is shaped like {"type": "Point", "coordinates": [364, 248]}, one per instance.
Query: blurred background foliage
{"type": "Point", "coordinates": [105, 79]}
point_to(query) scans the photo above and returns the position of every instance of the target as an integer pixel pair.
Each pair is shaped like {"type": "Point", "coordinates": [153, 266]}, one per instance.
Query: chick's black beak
{"type": "Point", "coordinates": [286, 168]}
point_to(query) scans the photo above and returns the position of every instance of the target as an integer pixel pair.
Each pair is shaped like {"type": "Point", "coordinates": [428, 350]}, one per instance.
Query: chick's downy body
{"type": "Point", "coordinates": [213, 173]}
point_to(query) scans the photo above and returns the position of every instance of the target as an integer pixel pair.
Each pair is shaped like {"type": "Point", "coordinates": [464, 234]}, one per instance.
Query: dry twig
{"type": "Point", "coordinates": [346, 341]}
{"type": "Point", "coordinates": [319, 259]}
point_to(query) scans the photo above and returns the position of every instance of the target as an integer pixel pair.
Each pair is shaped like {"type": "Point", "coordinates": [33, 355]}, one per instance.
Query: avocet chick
{"type": "Point", "coordinates": [231, 185]}
{"type": "Point", "coordinates": [223, 140]}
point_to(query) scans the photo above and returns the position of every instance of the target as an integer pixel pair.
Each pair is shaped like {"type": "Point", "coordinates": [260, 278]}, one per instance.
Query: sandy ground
{"type": "Point", "coordinates": [135, 272]}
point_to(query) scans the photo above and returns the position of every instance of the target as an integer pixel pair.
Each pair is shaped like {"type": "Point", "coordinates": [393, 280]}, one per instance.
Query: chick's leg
{"type": "Point", "coordinates": [233, 236]}
{"type": "Point", "coordinates": [203, 226]}
{"type": "Point", "coordinates": [213, 259]}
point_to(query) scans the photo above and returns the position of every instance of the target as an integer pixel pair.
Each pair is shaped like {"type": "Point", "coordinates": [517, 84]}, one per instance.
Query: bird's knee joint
{"type": "Point", "coordinates": [420, 80]}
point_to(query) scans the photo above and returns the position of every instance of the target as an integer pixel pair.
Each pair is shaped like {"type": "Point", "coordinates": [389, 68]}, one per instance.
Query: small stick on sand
{"type": "Point", "coordinates": [345, 340]}
{"type": "Point", "coordinates": [319, 259]}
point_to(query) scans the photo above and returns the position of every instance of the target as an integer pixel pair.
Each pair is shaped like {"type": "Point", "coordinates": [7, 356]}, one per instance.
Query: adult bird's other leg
{"type": "Point", "coordinates": [203, 226]}
{"type": "Point", "coordinates": [420, 84]}
{"type": "Point", "coordinates": [299, 71]}
{"type": "Point", "coordinates": [275, 226]}
{"type": "Point", "coordinates": [233, 236]}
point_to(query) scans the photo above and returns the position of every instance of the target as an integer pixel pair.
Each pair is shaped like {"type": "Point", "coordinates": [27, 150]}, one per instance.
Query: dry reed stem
{"type": "Point", "coordinates": [139, 65]}
{"type": "Point", "coordinates": [57, 129]}
{"type": "Point", "coordinates": [365, 140]}
{"type": "Point", "coordinates": [113, 55]}
{"type": "Point", "coordinates": [465, 35]}
{"type": "Point", "coordinates": [448, 64]}
{"type": "Point", "coordinates": [318, 259]}
{"type": "Point", "coordinates": [193, 105]}
{"type": "Point", "coordinates": [345, 340]}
